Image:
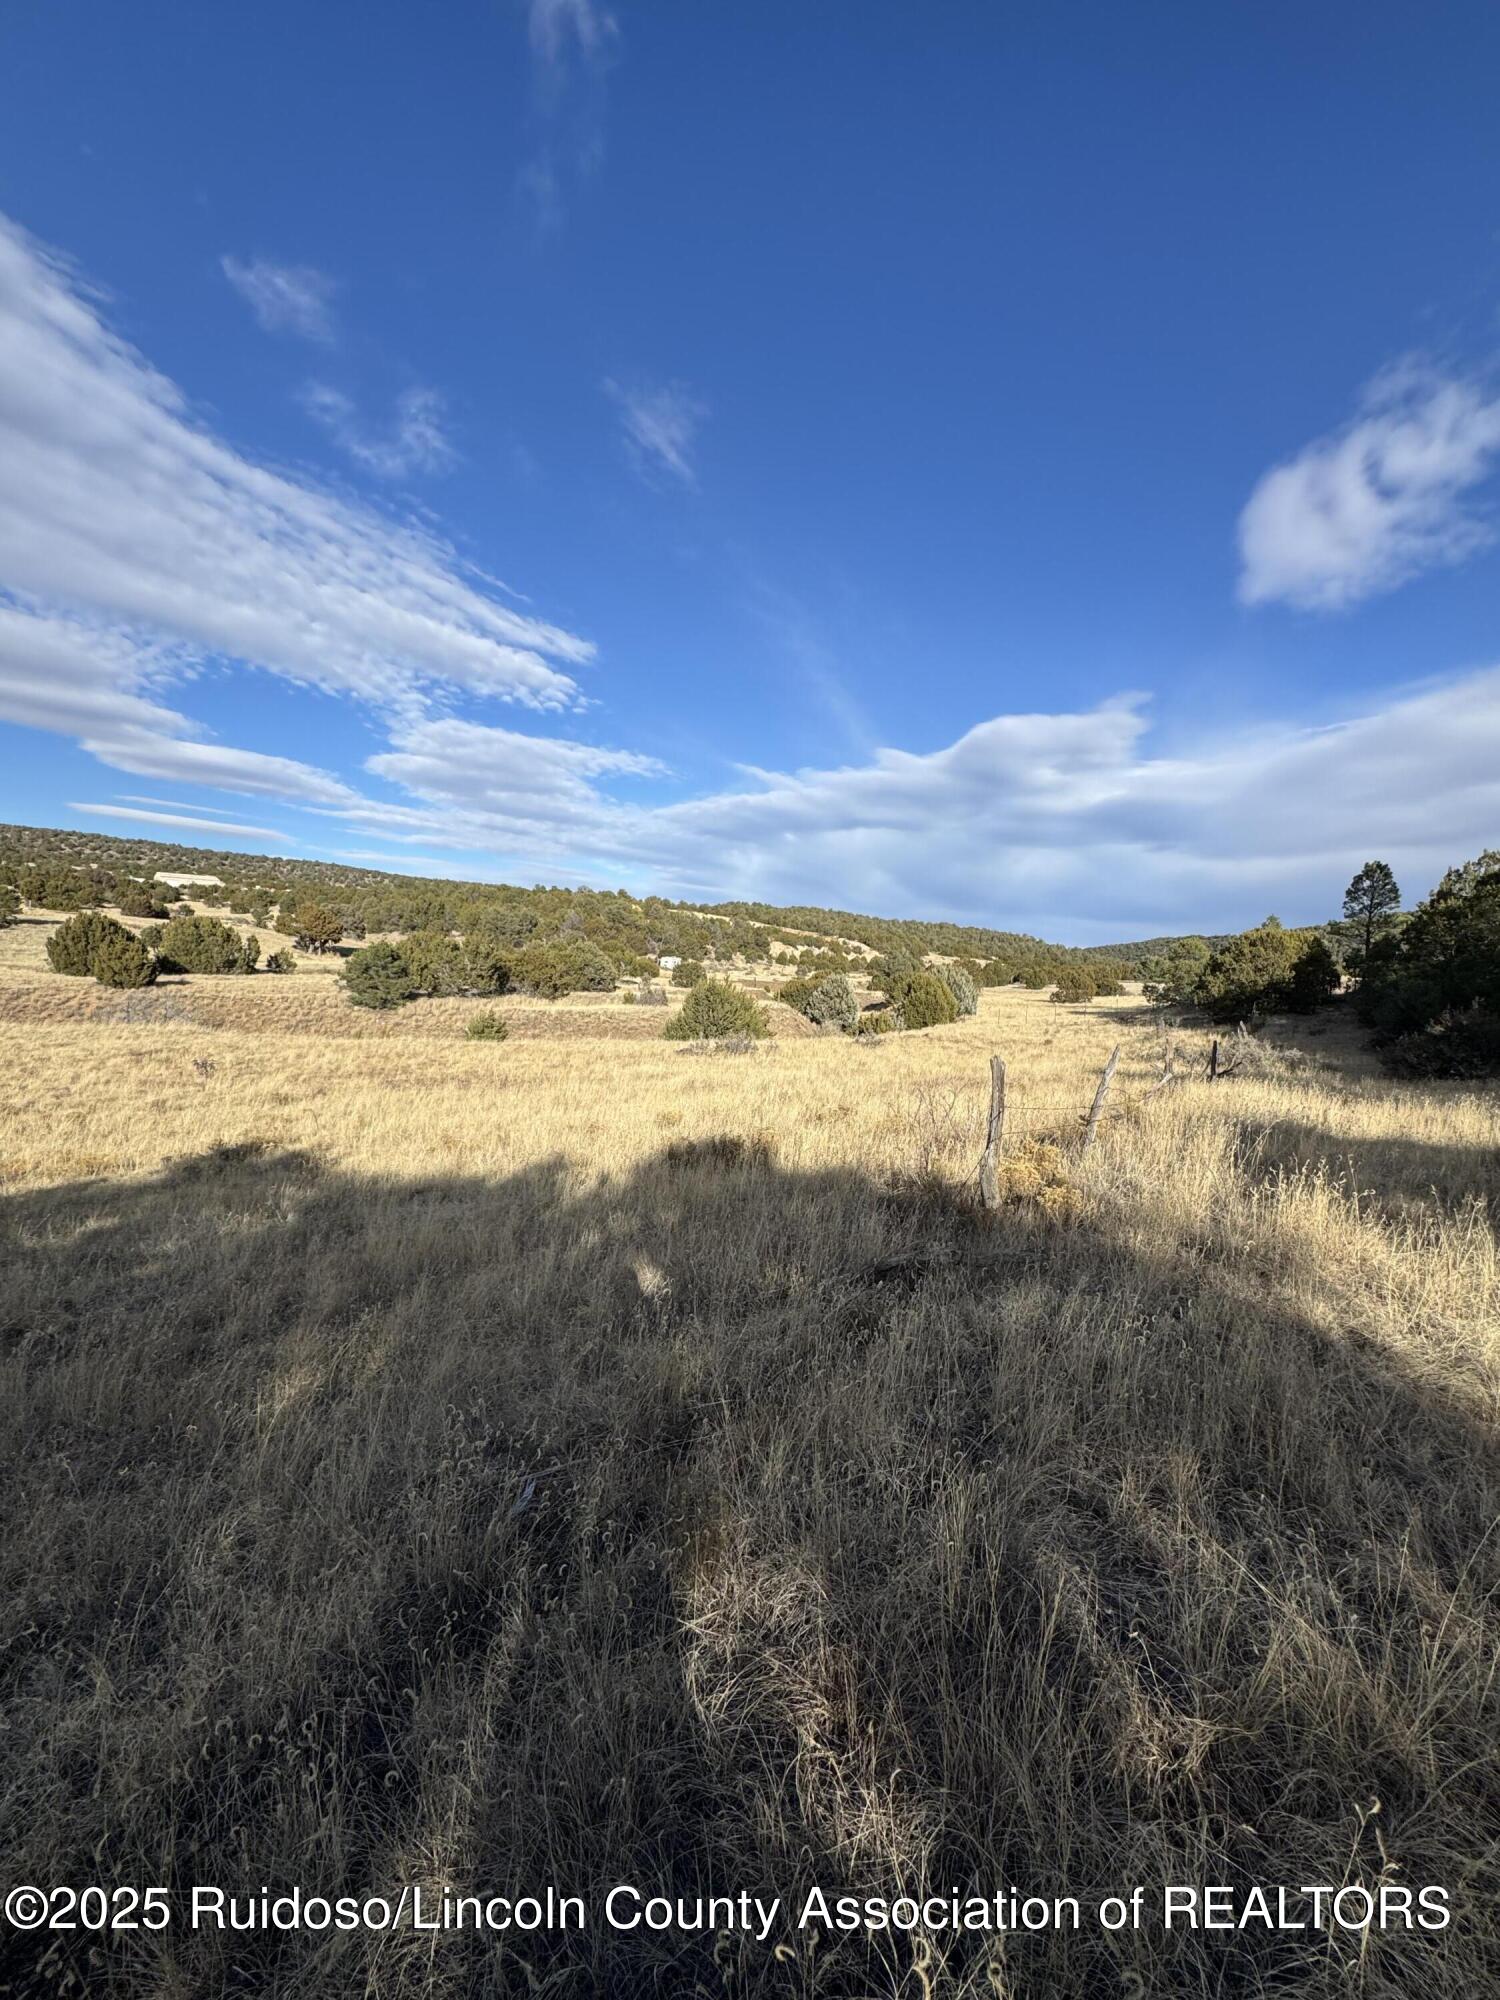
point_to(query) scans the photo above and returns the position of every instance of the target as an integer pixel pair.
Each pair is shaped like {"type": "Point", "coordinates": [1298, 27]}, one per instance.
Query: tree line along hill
{"type": "Point", "coordinates": [1426, 980]}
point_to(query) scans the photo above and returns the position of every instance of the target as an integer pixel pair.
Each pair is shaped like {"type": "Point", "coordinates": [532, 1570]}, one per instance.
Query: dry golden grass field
{"type": "Point", "coordinates": [584, 1460]}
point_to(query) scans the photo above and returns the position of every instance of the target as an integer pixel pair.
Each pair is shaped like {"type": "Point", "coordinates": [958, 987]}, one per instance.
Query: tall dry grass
{"type": "Point", "coordinates": [586, 1461]}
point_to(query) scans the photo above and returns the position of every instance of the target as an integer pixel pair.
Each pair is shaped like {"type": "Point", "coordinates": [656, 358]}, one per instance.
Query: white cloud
{"type": "Point", "coordinates": [1372, 506]}
{"type": "Point", "coordinates": [416, 440]}
{"type": "Point", "coordinates": [183, 820]}
{"type": "Point", "coordinates": [1069, 825]}
{"type": "Point", "coordinates": [146, 754]}
{"type": "Point", "coordinates": [660, 426]}
{"type": "Point", "coordinates": [558, 26]}
{"type": "Point", "coordinates": [182, 805]}
{"type": "Point", "coordinates": [573, 44]}
{"type": "Point", "coordinates": [135, 544]}
{"type": "Point", "coordinates": [285, 298]}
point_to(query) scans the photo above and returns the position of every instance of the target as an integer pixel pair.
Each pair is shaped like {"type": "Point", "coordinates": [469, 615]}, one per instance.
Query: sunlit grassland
{"type": "Point", "coordinates": [582, 1459]}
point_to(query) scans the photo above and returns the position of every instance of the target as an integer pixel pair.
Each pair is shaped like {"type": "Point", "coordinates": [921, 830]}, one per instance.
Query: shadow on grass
{"type": "Point", "coordinates": [719, 1528]}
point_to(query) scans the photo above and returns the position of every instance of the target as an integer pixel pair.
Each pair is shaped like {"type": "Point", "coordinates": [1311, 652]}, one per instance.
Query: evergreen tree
{"type": "Point", "coordinates": [72, 945]}
{"type": "Point", "coordinates": [713, 1010]}
{"type": "Point", "coordinates": [316, 928]}
{"type": "Point", "coordinates": [1370, 905]}
{"type": "Point", "coordinates": [376, 976]}
{"type": "Point", "coordinates": [120, 959]}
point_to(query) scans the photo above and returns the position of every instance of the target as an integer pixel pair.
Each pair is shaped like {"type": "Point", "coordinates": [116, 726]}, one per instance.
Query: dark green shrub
{"type": "Point", "coordinates": [487, 962]}
{"type": "Point", "coordinates": [203, 944]}
{"type": "Point", "coordinates": [120, 959]}
{"type": "Point", "coordinates": [713, 1010]}
{"type": "Point", "coordinates": [1073, 988]}
{"type": "Point", "coordinates": [438, 964]}
{"type": "Point", "coordinates": [1172, 976]}
{"type": "Point", "coordinates": [10, 905]}
{"type": "Point", "coordinates": [1315, 978]}
{"type": "Point", "coordinates": [137, 899]}
{"type": "Point", "coordinates": [377, 976]}
{"type": "Point", "coordinates": [567, 965]}
{"type": "Point", "coordinates": [797, 993]}
{"type": "Point", "coordinates": [72, 945]}
{"type": "Point", "coordinates": [487, 1026]}
{"type": "Point", "coordinates": [1250, 974]}
{"type": "Point", "coordinates": [281, 961]}
{"type": "Point", "coordinates": [689, 972]}
{"type": "Point", "coordinates": [924, 1000]}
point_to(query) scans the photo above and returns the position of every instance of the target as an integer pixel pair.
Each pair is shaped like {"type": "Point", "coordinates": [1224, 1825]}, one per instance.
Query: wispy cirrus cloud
{"type": "Point", "coordinates": [573, 45]}
{"type": "Point", "coordinates": [416, 440]}
{"type": "Point", "coordinates": [660, 425]}
{"type": "Point", "coordinates": [135, 544]}
{"type": "Point", "coordinates": [187, 822]}
{"type": "Point", "coordinates": [1366, 509]}
{"type": "Point", "coordinates": [285, 298]}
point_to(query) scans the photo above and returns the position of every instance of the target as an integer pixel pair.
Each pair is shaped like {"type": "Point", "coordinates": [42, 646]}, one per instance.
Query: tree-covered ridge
{"type": "Point", "coordinates": [61, 869]}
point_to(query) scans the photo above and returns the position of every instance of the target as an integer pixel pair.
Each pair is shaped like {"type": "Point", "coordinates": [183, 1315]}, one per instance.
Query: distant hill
{"type": "Point", "coordinates": [380, 900]}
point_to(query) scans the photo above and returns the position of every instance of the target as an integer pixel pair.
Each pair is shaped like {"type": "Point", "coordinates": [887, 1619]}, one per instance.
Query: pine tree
{"type": "Point", "coordinates": [1370, 903]}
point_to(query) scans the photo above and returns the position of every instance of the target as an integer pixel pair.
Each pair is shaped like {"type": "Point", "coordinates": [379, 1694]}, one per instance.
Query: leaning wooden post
{"type": "Point", "coordinates": [1097, 1107]}
{"type": "Point", "coordinates": [1213, 1060]}
{"type": "Point", "coordinates": [989, 1175]}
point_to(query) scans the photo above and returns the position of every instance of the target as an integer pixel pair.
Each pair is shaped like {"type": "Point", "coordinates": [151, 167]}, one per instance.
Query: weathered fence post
{"type": "Point", "coordinates": [989, 1177]}
{"type": "Point", "coordinates": [1213, 1060]}
{"type": "Point", "coordinates": [1097, 1107]}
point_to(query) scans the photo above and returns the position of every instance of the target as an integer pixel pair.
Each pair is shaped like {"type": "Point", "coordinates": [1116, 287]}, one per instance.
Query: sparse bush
{"type": "Point", "coordinates": [376, 976]}
{"type": "Point", "coordinates": [72, 946]}
{"type": "Point", "coordinates": [960, 983]}
{"type": "Point", "coordinates": [316, 928]}
{"type": "Point", "coordinates": [714, 1009]}
{"type": "Point", "coordinates": [281, 961]}
{"type": "Point", "coordinates": [879, 1021]}
{"type": "Point", "coordinates": [832, 1004]}
{"type": "Point", "coordinates": [688, 973]}
{"type": "Point", "coordinates": [487, 1026]}
{"type": "Point", "coordinates": [1036, 1173]}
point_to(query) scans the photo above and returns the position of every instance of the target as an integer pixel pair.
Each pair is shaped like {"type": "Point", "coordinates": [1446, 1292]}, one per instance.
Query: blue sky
{"type": "Point", "coordinates": [1034, 466]}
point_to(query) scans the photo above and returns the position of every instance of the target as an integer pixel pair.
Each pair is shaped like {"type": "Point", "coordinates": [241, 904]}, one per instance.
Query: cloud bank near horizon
{"type": "Point", "coordinates": [138, 547]}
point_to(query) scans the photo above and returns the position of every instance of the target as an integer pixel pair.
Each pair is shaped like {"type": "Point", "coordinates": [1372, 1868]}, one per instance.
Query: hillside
{"type": "Point", "coordinates": [388, 901]}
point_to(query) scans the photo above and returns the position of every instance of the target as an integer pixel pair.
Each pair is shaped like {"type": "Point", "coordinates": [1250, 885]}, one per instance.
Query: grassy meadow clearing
{"type": "Point", "coordinates": [587, 1459]}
